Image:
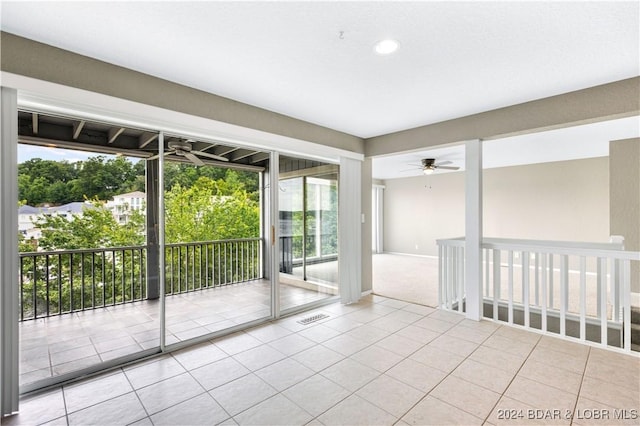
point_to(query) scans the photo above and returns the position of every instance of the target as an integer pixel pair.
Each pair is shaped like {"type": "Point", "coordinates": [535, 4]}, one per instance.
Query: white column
{"type": "Point", "coordinates": [473, 228]}
{"type": "Point", "coordinates": [272, 242]}
{"type": "Point", "coordinates": [350, 230]}
{"type": "Point", "coordinates": [9, 384]}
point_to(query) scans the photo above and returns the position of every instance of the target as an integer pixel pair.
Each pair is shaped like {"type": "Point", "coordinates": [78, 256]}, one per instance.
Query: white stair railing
{"type": "Point", "coordinates": [579, 291]}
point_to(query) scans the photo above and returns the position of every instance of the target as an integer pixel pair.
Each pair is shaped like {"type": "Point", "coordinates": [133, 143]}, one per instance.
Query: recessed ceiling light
{"type": "Point", "coordinates": [386, 47]}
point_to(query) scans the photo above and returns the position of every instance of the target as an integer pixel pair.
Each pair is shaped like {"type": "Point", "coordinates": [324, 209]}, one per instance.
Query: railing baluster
{"type": "Point", "coordinates": [59, 284]}
{"type": "Point", "coordinates": [496, 282]}
{"type": "Point", "coordinates": [124, 274]}
{"type": "Point", "coordinates": [543, 274]}
{"type": "Point", "coordinates": [46, 275]}
{"type": "Point", "coordinates": [113, 277]}
{"type": "Point", "coordinates": [603, 301]}
{"type": "Point", "coordinates": [564, 284]}
{"type": "Point", "coordinates": [93, 280]}
{"type": "Point", "coordinates": [104, 280]}
{"type": "Point", "coordinates": [22, 298]}
{"type": "Point", "coordinates": [132, 275]}
{"type": "Point", "coordinates": [536, 269]}
{"type": "Point", "coordinates": [625, 274]}
{"type": "Point", "coordinates": [583, 298]}
{"type": "Point", "coordinates": [525, 287]}
{"type": "Point", "coordinates": [510, 290]}
{"type": "Point", "coordinates": [614, 283]}
{"type": "Point", "coordinates": [70, 282]}
{"type": "Point", "coordinates": [551, 272]}
{"type": "Point", "coordinates": [82, 281]}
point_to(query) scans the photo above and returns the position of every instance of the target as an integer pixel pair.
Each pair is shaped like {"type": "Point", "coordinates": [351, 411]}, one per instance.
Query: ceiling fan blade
{"type": "Point", "coordinates": [442, 163]}
{"type": "Point", "coordinates": [448, 167]}
{"type": "Point", "coordinates": [213, 156]}
{"type": "Point", "coordinates": [195, 160]}
{"type": "Point", "coordinates": [153, 157]}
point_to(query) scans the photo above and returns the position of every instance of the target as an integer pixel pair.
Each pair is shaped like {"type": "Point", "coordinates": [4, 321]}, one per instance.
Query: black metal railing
{"type": "Point", "coordinates": [65, 281]}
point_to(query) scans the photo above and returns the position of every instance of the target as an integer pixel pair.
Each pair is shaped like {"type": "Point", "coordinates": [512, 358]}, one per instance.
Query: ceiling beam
{"type": "Point", "coordinates": [146, 138]}
{"type": "Point", "coordinates": [77, 128]}
{"type": "Point", "coordinates": [224, 150]}
{"type": "Point", "coordinates": [259, 157]}
{"type": "Point", "coordinates": [240, 156]}
{"type": "Point", "coordinates": [34, 123]}
{"type": "Point", "coordinates": [114, 132]}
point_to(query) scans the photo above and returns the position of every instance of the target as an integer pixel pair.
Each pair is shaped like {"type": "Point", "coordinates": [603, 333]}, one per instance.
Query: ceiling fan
{"type": "Point", "coordinates": [185, 149]}
{"type": "Point", "coordinates": [429, 166]}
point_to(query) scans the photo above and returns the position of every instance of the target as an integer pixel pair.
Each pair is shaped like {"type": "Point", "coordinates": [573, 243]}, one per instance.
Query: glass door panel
{"type": "Point", "coordinates": [213, 266]}
{"type": "Point", "coordinates": [308, 232]}
{"type": "Point", "coordinates": [84, 284]}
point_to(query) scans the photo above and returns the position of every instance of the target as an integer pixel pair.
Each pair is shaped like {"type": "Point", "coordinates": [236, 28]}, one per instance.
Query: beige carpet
{"type": "Point", "coordinates": [409, 278]}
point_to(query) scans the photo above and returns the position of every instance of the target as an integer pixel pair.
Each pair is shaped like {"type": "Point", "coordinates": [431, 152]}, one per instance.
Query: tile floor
{"type": "Point", "coordinates": [378, 362]}
{"type": "Point", "coordinates": [54, 346]}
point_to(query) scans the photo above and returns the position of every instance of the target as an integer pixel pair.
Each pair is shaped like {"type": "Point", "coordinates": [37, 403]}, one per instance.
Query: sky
{"type": "Point", "coordinates": [28, 152]}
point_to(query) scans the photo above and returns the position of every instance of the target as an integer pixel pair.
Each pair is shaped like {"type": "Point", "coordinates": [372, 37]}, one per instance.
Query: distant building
{"type": "Point", "coordinates": [123, 205]}
{"type": "Point", "coordinates": [28, 216]}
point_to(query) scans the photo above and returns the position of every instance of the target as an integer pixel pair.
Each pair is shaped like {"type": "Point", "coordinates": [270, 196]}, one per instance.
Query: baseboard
{"type": "Point", "coordinates": [366, 293]}
{"type": "Point", "coordinates": [428, 256]}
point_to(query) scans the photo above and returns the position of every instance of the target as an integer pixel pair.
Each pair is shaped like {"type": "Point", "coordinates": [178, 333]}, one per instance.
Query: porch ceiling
{"type": "Point", "coordinates": [84, 135]}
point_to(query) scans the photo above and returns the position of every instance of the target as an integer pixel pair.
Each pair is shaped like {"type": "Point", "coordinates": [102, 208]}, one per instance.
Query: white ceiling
{"type": "Point", "coordinates": [315, 60]}
{"type": "Point", "coordinates": [571, 143]}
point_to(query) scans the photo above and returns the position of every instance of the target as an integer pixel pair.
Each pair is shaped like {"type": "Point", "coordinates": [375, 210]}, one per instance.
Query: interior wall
{"type": "Point", "coordinates": [624, 160]}
{"type": "Point", "coordinates": [367, 231]}
{"type": "Point", "coordinates": [565, 201]}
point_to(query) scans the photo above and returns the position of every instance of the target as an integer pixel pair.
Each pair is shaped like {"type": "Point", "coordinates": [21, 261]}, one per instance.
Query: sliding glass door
{"type": "Point", "coordinates": [308, 202]}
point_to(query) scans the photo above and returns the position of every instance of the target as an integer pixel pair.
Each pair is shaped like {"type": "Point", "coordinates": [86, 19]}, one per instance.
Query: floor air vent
{"type": "Point", "coordinates": [312, 318]}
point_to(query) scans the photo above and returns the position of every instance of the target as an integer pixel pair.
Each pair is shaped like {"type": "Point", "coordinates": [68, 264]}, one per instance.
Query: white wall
{"type": "Point", "coordinates": [566, 200]}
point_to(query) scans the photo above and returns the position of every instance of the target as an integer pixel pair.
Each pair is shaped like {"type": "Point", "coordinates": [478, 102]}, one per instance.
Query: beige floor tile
{"type": "Point", "coordinates": [466, 396]}
{"type": "Point", "coordinates": [284, 374]}
{"type": "Point", "coordinates": [277, 410]}
{"type": "Point", "coordinates": [512, 412]}
{"type": "Point", "coordinates": [342, 323]}
{"type": "Point", "coordinates": [399, 344]}
{"type": "Point", "coordinates": [237, 342]}
{"type": "Point", "coordinates": [200, 410]}
{"type": "Point", "coordinates": [553, 376]}
{"type": "Point", "coordinates": [405, 316]}
{"type": "Point", "coordinates": [169, 392]}
{"type": "Point", "coordinates": [454, 345]}
{"type": "Point", "coordinates": [389, 324]}
{"type": "Point", "coordinates": [420, 376]}
{"type": "Point", "coordinates": [154, 371]}
{"type": "Point", "coordinates": [268, 332]}
{"type": "Point", "coordinates": [539, 395]}
{"type": "Point", "coordinates": [498, 359]}
{"type": "Point", "coordinates": [391, 395]}
{"type": "Point", "coordinates": [509, 345]}
{"type": "Point", "coordinates": [218, 373]}
{"type": "Point", "coordinates": [432, 411]}
{"type": "Point", "coordinates": [575, 363]}
{"type": "Point", "coordinates": [93, 391]}
{"type": "Point", "coordinates": [590, 412]}
{"type": "Point", "coordinates": [319, 333]}
{"type": "Point", "coordinates": [345, 344]}
{"type": "Point", "coordinates": [471, 334]}
{"type": "Point", "coordinates": [610, 394]}
{"type": "Point", "coordinates": [377, 358]}
{"type": "Point", "coordinates": [291, 344]}
{"type": "Point", "coordinates": [559, 345]}
{"type": "Point", "coordinates": [356, 411]}
{"type": "Point", "coordinates": [38, 409]}
{"type": "Point", "coordinates": [199, 355]}
{"type": "Point", "coordinates": [418, 334]}
{"type": "Point", "coordinates": [122, 410]}
{"type": "Point", "coordinates": [622, 370]}
{"type": "Point", "coordinates": [368, 334]}
{"type": "Point", "coordinates": [483, 375]}
{"type": "Point", "coordinates": [316, 394]}
{"type": "Point", "coordinates": [318, 357]}
{"type": "Point", "coordinates": [418, 309]}
{"type": "Point", "coordinates": [350, 374]}
{"type": "Point", "coordinates": [517, 333]}
{"type": "Point", "coordinates": [434, 324]}
{"type": "Point", "coordinates": [259, 357]}
{"type": "Point", "coordinates": [243, 393]}
{"type": "Point", "coordinates": [452, 317]}
{"type": "Point", "coordinates": [437, 358]}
